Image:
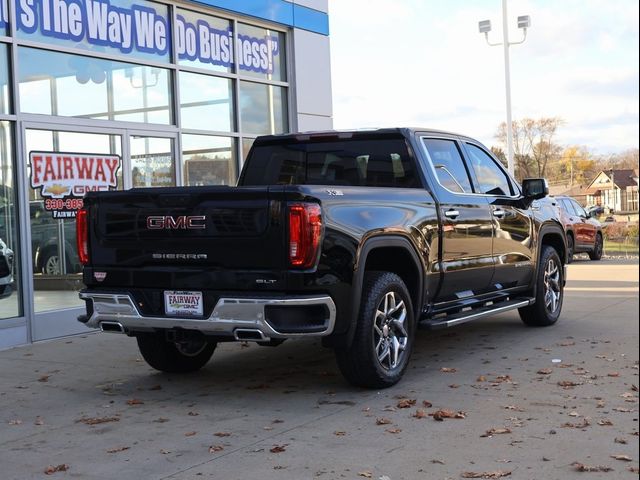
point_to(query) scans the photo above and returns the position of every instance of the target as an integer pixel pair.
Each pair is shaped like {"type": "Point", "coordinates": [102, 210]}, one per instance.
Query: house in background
{"type": "Point", "coordinates": [577, 192]}
{"type": "Point", "coordinates": [615, 190]}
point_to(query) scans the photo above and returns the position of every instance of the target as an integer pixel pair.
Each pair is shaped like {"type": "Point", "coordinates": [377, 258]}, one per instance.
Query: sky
{"type": "Point", "coordinates": [424, 63]}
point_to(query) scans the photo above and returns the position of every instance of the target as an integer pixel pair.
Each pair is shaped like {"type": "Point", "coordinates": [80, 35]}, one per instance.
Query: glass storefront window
{"type": "Point", "coordinates": [10, 305]}
{"type": "Point", "coordinates": [208, 160]}
{"type": "Point", "coordinates": [206, 102]}
{"type": "Point", "coordinates": [152, 162]}
{"type": "Point", "coordinates": [203, 41]}
{"type": "Point", "coordinates": [263, 108]}
{"type": "Point", "coordinates": [4, 17]}
{"type": "Point", "coordinates": [52, 83]}
{"type": "Point", "coordinates": [4, 78]}
{"type": "Point", "coordinates": [246, 146]}
{"type": "Point", "coordinates": [136, 28]}
{"type": "Point", "coordinates": [261, 53]}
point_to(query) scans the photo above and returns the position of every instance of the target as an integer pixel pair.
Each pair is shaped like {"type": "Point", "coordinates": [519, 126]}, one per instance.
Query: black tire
{"type": "Point", "coordinates": [365, 364]}
{"type": "Point", "coordinates": [570, 248]}
{"type": "Point", "coordinates": [172, 357]}
{"type": "Point", "coordinates": [596, 253]}
{"type": "Point", "coordinates": [549, 291]}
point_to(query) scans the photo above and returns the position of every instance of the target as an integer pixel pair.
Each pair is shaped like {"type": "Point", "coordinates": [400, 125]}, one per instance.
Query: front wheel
{"type": "Point", "coordinates": [596, 253]}
{"type": "Point", "coordinates": [384, 333]}
{"type": "Point", "coordinates": [175, 357]}
{"type": "Point", "coordinates": [549, 292]}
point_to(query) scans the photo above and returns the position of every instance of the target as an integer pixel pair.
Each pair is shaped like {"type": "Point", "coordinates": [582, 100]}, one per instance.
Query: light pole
{"type": "Point", "coordinates": [484, 26]}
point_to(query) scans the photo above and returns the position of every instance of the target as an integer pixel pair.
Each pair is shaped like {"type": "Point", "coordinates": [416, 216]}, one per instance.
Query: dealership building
{"type": "Point", "coordinates": [116, 94]}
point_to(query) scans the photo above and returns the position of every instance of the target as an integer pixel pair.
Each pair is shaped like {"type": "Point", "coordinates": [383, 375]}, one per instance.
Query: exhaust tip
{"type": "Point", "coordinates": [250, 334]}
{"type": "Point", "coordinates": [111, 327]}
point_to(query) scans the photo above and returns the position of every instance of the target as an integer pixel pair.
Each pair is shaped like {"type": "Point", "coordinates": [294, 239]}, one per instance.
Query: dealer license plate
{"type": "Point", "coordinates": [178, 302]}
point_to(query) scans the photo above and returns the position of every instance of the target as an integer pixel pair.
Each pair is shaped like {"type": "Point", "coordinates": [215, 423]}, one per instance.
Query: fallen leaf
{"type": "Point", "coordinates": [38, 421]}
{"type": "Point", "coordinates": [624, 458]}
{"type": "Point", "coordinates": [496, 431]}
{"type": "Point", "coordinates": [278, 448]}
{"type": "Point", "coordinates": [605, 422]}
{"type": "Point", "coordinates": [406, 403]}
{"type": "Point", "coordinates": [117, 449]}
{"type": "Point", "coordinates": [339, 433]}
{"type": "Point", "coordinates": [496, 474]}
{"type": "Point", "coordinates": [164, 452]}
{"type": "Point", "coordinates": [393, 430]}
{"type": "Point", "coordinates": [58, 468]}
{"type": "Point", "coordinates": [613, 374]}
{"type": "Point", "coordinates": [568, 383]}
{"type": "Point", "coordinates": [623, 441]}
{"type": "Point", "coordinates": [440, 415]}
{"type": "Point", "coordinates": [382, 421]}
{"type": "Point", "coordinates": [161, 420]}
{"type": "Point", "coordinates": [420, 413]}
{"type": "Point", "coordinates": [514, 407]}
{"type": "Point", "coordinates": [581, 467]}
{"type": "Point", "coordinates": [97, 420]}
{"type": "Point", "coordinates": [634, 388]}
{"type": "Point", "coordinates": [439, 462]}
{"type": "Point", "coordinates": [566, 344]}
{"type": "Point", "coordinates": [574, 414]}
{"type": "Point", "coordinates": [134, 401]}
{"type": "Point", "coordinates": [584, 424]}
{"type": "Point", "coordinates": [193, 414]}
{"type": "Point", "coordinates": [215, 448]}
{"type": "Point", "coordinates": [44, 378]}
{"type": "Point", "coordinates": [190, 434]}
{"type": "Point", "coordinates": [545, 371]}
{"type": "Point", "coordinates": [454, 385]}
{"type": "Point", "coordinates": [222, 434]}
{"type": "Point", "coordinates": [15, 422]}
{"type": "Point", "coordinates": [156, 387]}
{"type": "Point", "coordinates": [481, 378]}
{"type": "Point", "coordinates": [622, 409]}
{"type": "Point", "coordinates": [427, 404]}
{"type": "Point", "coordinates": [448, 370]}
{"type": "Point", "coordinates": [634, 469]}
{"type": "Point", "coordinates": [365, 474]}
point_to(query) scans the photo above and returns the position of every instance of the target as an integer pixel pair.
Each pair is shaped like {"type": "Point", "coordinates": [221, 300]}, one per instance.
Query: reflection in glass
{"type": "Point", "coordinates": [152, 162]}
{"type": "Point", "coordinates": [263, 108]}
{"type": "Point", "coordinates": [4, 17]}
{"type": "Point", "coordinates": [261, 53]}
{"type": "Point", "coordinates": [205, 102]}
{"type": "Point", "coordinates": [56, 266]}
{"type": "Point", "coordinates": [216, 54]}
{"type": "Point", "coordinates": [209, 160]}
{"type": "Point", "coordinates": [10, 305]}
{"type": "Point", "coordinates": [54, 83]}
{"type": "Point", "coordinates": [5, 106]}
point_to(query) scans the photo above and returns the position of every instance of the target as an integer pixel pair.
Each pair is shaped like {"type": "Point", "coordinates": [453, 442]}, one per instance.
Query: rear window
{"type": "Point", "coordinates": [372, 162]}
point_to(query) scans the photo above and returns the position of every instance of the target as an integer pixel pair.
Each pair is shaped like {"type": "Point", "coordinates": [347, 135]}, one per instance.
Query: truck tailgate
{"type": "Point", "coordinates": [208, 227]}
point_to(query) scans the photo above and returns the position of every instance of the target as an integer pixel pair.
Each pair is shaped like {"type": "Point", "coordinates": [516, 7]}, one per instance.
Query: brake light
{"type": "Point", "coordinates": [305, 230]}
{"type": "Point", "coordinates": [82, 236]}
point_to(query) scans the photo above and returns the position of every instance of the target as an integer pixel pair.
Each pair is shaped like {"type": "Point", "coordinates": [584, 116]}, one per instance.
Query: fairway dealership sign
{"type": "Point", "coordinates": [141, 27]}
{"type": "Point", "coordinates": [63, 178]}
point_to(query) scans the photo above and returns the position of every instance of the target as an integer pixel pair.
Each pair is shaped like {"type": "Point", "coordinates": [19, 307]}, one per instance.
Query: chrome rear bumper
{"type": "Point", "coordinates": [229, 316]}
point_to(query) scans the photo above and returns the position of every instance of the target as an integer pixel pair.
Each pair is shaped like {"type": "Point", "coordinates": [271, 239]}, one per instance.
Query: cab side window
{"type": "Point", "coordinates": [490, 177]}
{"type": "Point", "coordinates": [448, 164]}
{"type": "Point", "coordinates": [578, 208]}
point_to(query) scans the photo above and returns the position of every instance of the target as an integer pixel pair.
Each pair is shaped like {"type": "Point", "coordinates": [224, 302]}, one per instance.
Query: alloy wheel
{"type": "Point", "coordinates": [390, 335]}
{"type": "Point", "coordinates": [552, 288]}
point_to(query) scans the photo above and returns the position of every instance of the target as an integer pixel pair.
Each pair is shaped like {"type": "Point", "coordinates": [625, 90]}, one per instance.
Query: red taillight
{"type": "Point", "coordinates": [82, 236]}
{"type": "Point", "coordinates": [305, 230]}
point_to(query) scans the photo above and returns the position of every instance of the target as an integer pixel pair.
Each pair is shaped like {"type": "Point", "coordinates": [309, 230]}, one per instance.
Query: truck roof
{"type": "Point", "coordinates": [350, 133]}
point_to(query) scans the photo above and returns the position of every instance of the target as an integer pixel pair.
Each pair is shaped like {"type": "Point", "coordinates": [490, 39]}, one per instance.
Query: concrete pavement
{"type": "Point", "coordinates": [552, 396]}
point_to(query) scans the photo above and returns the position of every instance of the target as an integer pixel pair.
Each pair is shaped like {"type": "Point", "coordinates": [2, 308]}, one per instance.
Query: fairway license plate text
{"type": "Point", "coordinates": [178, 302]}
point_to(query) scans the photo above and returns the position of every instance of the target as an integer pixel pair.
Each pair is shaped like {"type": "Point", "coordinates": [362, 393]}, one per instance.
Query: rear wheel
{"type": "Point", "coordinates": [570, 248]}
{"type": "Point", "coordinates": [384, 333]}
{"type": "Point", "coordinates": [549, 292]}
{"type": "Point", "coordinates": [596, 253]}
{"type": "Point", "coordinates": [175, 357]}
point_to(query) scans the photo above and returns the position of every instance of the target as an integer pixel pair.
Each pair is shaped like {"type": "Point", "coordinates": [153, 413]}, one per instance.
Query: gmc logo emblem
{"type": "Point", "coordinates": [183, 222]}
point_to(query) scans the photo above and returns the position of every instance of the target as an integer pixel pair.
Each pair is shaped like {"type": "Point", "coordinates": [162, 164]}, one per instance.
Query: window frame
{"type": "Point", "coordinates": [514, 188]}
{"type": "Point", "coordinates": [456, 142]}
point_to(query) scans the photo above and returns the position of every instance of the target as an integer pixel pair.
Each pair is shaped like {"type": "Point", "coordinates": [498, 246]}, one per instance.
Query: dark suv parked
{"type": "Point", "coordinates": [584, 233]}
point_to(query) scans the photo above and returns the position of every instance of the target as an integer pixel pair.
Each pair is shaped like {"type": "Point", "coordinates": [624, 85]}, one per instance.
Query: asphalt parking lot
{"type": "Point", "coordinates": [533, 404]}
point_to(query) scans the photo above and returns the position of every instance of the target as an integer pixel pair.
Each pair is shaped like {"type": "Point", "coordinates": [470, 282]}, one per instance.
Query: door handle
{"type": "Point", "coordinates": [452, 214]}
{"type": "Point", "coordinates": [499, 213]}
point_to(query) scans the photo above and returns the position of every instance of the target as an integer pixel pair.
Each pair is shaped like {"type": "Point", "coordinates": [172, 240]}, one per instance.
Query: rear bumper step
{"type": "Point", "coordinates": [259, 319]}
{"type": "Point", "coordinates": [475, 314]}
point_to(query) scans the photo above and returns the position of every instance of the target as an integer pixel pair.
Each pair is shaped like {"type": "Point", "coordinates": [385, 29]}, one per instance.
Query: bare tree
{"type": "Point", "coordinates": [533, 144]}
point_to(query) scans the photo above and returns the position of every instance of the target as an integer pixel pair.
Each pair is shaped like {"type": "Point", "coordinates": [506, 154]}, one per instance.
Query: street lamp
{"type": "Point", "coordinates": [484, 26]}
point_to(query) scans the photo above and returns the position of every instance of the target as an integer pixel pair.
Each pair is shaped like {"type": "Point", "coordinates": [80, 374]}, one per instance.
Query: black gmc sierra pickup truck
{"type": "Point", "coordinates": [356, 237]}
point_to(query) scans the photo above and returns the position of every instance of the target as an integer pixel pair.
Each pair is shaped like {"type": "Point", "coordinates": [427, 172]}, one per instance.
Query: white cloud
{"type": "Point", "coordinates": [424, 63]}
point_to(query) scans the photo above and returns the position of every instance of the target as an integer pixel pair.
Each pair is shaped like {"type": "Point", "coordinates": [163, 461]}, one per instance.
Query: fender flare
{"type": "Point", "coordinates": [546, 229]}
{"type": "Point", "coordinates": [373, 243]}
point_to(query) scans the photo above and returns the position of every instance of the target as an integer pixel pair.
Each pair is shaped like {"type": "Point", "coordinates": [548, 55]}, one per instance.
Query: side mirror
{"type": "Point", "coordinates": [535, 188]}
